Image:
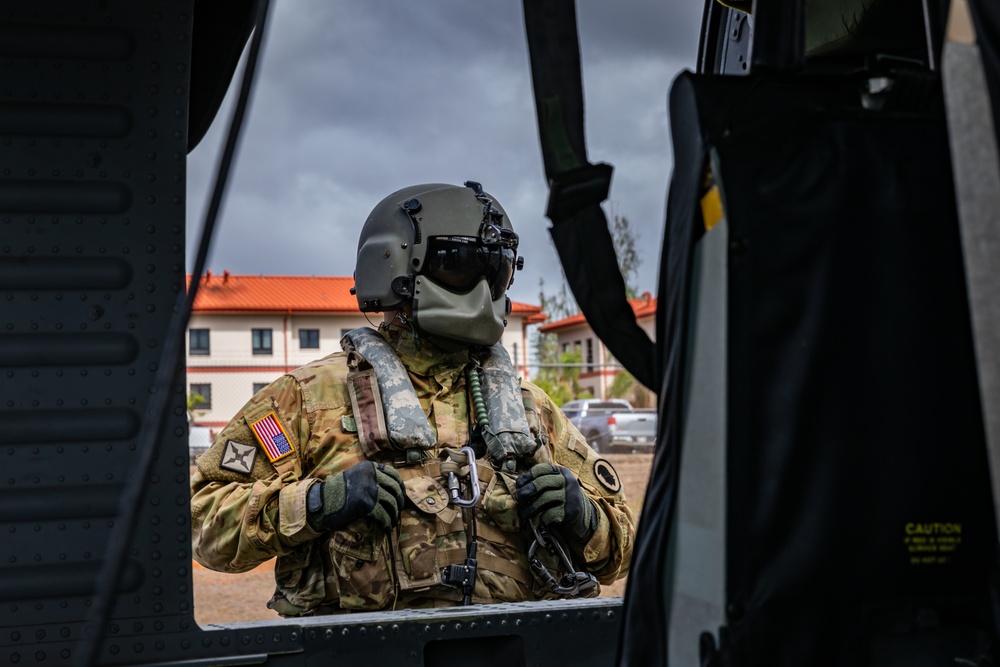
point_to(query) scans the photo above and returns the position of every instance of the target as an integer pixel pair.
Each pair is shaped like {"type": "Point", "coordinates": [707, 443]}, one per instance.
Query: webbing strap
{"type": "Point", "coordinates": [506, 567]}
{"type": "Point", "coordinates": [577, 188]}
{"type": "Point", "coordinates": [366, 403]}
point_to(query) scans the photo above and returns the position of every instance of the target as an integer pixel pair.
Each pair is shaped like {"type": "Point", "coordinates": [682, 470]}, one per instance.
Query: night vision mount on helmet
{"type": "Point", "coordinates": [449, 251]}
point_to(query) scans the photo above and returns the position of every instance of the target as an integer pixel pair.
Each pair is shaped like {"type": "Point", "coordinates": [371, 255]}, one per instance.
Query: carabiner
{"type": "Point", "coordinates": [573, 582]}
{"type": "Point", "coordinates": [456, 497]}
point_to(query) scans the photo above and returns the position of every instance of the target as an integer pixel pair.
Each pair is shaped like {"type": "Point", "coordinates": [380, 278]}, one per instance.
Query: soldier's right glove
{"type": "Point", "coordinates": [366, 489]}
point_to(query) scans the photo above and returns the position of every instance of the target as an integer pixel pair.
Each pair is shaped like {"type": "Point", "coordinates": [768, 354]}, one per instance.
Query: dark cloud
{"type": "Point", "coordinates": [355, 100]}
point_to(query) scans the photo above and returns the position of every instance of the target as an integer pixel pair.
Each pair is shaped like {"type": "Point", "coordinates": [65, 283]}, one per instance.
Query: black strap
{"type": "Point", "coordinates": [577, 188]}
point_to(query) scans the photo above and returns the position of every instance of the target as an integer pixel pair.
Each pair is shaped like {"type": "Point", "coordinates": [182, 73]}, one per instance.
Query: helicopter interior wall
{"type": "Point", "coordinates": [854, 413]}
{"type": "Point", "coordinates": [697, 578]}
{"type": "Point", "coordinates": [986, 18]}
{"type": "Point", "coordinates": [94, 126]}
{"type": "Point", "coordinates": [853, 408]}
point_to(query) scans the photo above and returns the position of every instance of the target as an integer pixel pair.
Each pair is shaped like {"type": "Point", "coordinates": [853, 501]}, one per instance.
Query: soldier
{"type": "Point", "coordinates": [413, 469]}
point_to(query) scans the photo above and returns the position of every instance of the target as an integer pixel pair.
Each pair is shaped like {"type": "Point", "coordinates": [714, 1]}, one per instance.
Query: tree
{"type": "Point", "coordinates": [557, 306]}
{"type": "Point", "coordinates": [193, 401]}
{"type": "Point", "coordinates": [623, 238]}
{"type": "Point", "coordinates": [625, 386]}
{"type": "Point", "coordinates": [562, 380]}
{"type": "Point", "coordinates": [560, 305]}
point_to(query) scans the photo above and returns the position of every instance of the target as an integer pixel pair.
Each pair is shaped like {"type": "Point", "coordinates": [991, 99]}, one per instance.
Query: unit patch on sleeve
{"type": "Point", "coordinates": [238, 457]}
{"type": "Point", "coordinates": [272, 436]}
{"type": "Point", "coordinates": [607, 476]}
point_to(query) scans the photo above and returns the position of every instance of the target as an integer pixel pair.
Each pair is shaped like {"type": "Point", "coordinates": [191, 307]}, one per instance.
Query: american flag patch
{"type": "Point", "coordinates": [272, 436]}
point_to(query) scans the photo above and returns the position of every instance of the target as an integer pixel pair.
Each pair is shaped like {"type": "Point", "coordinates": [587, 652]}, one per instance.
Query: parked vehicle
{"type": "Point", "coordinates": [613, 425]}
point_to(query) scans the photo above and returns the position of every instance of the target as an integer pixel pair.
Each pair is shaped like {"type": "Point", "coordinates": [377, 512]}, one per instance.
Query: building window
{"type": "Point", "coordinates": [257, 386]}
{"type": "Point", "coordinates": [309, 339]}
{"type": "Point", "coordinates": [262, 341]}
{"type": "Point", "coordinates": [344, 332]}
{"type": "Point", "coordinates": [201, 397]}
{"type": "Point", "coordinates": [565, 348]}
{"type": "Point", "coordinates": [198, 341]}
{"type": "Point", "coordinates": [590, 355]}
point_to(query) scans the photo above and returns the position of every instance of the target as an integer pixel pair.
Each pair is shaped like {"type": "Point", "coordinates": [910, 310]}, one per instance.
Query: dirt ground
{"type": "Point", "coordinates": [227, 598]}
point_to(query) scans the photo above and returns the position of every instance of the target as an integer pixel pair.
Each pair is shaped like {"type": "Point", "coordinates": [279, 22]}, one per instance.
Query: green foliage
{"type": "Point", "coordinates": [561, 394]}
{"type": "Point", "coordinates": [625, 386]}
{"type": "Point", "coordinates": [557, 307]}
{"type": "Point", "coordinates": [562, 382]}
{"type": "Point", "coordinates": [570, 372]}
{"type": "Point", "coordinates": [622, 385]}
{"type": "Point", "coordinates": [193, 401]}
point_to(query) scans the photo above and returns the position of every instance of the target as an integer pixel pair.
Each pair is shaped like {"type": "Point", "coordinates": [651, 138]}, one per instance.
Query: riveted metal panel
{"type": "Point", "coordinates": [93, 131]}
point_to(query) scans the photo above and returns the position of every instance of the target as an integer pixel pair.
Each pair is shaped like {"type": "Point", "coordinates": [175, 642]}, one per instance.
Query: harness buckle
{"type": "Point", "coordinates": [463, 576]}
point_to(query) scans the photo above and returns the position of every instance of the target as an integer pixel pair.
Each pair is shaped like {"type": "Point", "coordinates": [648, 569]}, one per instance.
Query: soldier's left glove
{"type": "Point", "coordinates": [554, 495]}
{"type": "Point", "coordinates": [368, 489]}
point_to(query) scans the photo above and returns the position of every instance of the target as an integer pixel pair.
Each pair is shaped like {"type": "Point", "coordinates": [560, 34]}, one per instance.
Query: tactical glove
{"type": "Point", "coordinates": [366, 489]}
{"type": "Point", "coordinates": [554, 495]}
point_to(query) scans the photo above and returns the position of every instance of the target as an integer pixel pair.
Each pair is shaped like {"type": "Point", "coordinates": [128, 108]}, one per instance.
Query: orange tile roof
{"type": "Point", "coordinates": [642, 307]}
{"type": "Point", "coordinates": [230, 293]}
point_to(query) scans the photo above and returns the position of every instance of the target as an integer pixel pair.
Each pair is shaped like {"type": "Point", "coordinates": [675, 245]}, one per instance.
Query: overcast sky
{"type": "Point", "coordinates": [354, 100]}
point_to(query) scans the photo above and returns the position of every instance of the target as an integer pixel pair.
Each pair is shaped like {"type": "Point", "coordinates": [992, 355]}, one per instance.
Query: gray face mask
{"type": "Point", "coordinates": [472, 318]}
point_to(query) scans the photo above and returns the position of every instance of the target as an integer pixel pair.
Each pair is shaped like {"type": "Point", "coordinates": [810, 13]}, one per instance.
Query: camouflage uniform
{"type": "Point", "coordinates": [242, 519]}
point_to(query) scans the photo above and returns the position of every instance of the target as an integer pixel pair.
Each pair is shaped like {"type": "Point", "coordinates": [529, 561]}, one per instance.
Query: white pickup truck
{"type": "Point", "coordinates": [613, 426]}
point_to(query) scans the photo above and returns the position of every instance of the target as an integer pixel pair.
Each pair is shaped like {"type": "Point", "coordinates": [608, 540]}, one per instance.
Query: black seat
{"type": "Point", "coordinates": [860, 522]}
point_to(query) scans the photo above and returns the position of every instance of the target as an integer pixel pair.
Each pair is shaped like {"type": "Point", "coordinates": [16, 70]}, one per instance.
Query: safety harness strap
{"type": "Point", "coordinates": [577, 188]}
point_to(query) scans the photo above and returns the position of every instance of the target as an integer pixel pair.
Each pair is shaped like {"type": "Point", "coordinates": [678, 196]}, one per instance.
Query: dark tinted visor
{"type": "Point", "coordinates": [459, 262]}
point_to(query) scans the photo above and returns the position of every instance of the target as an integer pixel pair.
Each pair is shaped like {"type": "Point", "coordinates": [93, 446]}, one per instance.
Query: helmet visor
{"type": "Point", "coordinates": [460, 262]}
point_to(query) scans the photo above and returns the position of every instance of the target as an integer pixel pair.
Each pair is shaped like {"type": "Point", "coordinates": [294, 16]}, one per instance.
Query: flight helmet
{"type": "Point", "coordinates": [449, 251]}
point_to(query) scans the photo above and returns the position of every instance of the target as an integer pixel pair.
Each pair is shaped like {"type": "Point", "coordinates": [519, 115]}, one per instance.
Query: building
{"type": "Point", "coordinates": [573, 334]}
{"type": "Point", "coordinates": [245, 331]}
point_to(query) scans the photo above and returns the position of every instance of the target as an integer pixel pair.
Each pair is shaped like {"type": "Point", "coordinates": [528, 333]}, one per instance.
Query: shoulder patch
{"type": "Point", "coordinates": [272, 436]}
{"type": "Point", "coordinates": [238, 457]}
{"type": "Point", "coordinates": [607, 476]}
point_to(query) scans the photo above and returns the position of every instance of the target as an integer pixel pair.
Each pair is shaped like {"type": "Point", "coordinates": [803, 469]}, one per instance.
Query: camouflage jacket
{"type": "Point", "coordinates": [247, 508]}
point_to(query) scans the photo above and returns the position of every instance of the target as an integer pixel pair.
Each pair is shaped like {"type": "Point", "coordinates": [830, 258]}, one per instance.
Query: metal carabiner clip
{"type": "Point", "coordinates": [573, 582]}
{"type": "Point", "coordinates": [456, 497]}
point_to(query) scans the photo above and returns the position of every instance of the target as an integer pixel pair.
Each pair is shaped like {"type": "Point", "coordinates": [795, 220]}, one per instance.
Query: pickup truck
{"type": "Point", "coordinates": [613, 425]}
